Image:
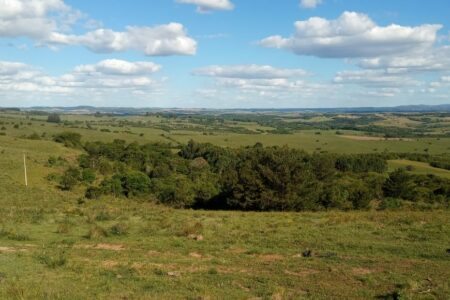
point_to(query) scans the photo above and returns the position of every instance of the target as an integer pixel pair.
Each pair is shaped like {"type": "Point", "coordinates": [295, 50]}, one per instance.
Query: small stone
{"type": "Point", "coordinates": [174, 274]}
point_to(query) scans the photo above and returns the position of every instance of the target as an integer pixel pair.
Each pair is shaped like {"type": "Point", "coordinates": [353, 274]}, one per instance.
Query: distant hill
{"type": "Point", "coordinates": [142, 110]}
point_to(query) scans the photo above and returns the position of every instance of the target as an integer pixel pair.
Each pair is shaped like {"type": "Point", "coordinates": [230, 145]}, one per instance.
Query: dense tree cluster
{"type": "Point", "coordinates": [69, 139]}
{"type": "Point", "coordinates": [54, 118]}
{"type": "Point", "coordinates": [252, 178]}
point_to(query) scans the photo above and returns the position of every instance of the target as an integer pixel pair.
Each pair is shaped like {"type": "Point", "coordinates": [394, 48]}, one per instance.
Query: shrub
{"type": "Point", "coordinates": [88, 175]}
{"type": "Point", "coordinates": [53, 261]}
{"type": "Point", "coordinates": [69, 139]}
{"type": "Point", "coordinates": [53, 118]}
{"type": "Point", "coordinates": [93, 192]}
{"type": "Point", "coordinates": [34, 136]}
{"type": "Point", "coordinates": [70, 179]}
{"type": "Point", "coordinates": [135, 183]}
{"type": "Point", "coordinates": [96, 232]}
{"type": "Point", "coordinates": [119, 229]}
{"type": "Point", "coordinates": [390, 203]}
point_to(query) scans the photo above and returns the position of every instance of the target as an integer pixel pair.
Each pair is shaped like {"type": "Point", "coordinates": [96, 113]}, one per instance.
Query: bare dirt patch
{"type": "Point", "coordinates": [153, 253]}
{"type": "Point", "coordinates": [237, 250]}
{"type": "Point", "coordinates": [361, 271]}
{"type": "Point", "coordinates": [271, 257]}
{"type": "Point", "coordinates": [110, 264]}
{"type": "Point", "coordinates": [301, 273]}
{"type": "Point", "coordinates": [195, 255]}
{"type": "Point", "coordinates": [113, 247]}
{"type": "Point", "coordinates": [102, 246]}
{"type": "Point", "coordinates": [11, 250]}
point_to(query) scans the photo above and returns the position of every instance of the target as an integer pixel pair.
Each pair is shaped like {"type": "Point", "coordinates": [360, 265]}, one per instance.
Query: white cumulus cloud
{"type": "Point", "coordinates": [35, 19]}
{"type": "Point", "coordinates": [353, 35]}
{"type": "Point", "coordinates": [204, 6]}
{"type": "Point", "coordinates": [374, 79]}
{"type": "Point", "coordinates": [310, 3]}
{"type": "Point", "coordinates": [429, 60]}
{"type": "Point", "coordinates": [111, 74]}
{"type": "Point", "coordinates": [163, 40]}
{"type": "Point", "coordinates": [249, 72]}
{"type": "Point", "coordinates": [49, 22]}
{"type": "Point", "coordinates": [119, 67]}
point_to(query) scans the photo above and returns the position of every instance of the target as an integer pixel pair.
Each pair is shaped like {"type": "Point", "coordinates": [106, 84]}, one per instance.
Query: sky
{"type": "Point", "coordinates": [224, 53]}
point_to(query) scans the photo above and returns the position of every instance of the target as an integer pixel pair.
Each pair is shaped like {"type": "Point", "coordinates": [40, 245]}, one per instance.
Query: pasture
{"type": "Point", "coordinates": [59, 245]}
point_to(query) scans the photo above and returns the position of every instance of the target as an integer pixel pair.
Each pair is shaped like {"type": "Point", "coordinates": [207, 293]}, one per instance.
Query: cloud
{"type": "Point", "coordinates": [35, 19]}
{"type": "Point", "coordinates": [310, 3]}
{"type": "Point", "coordinates": [104, 75]}
{"type": "Point", "coordinates": [353, 35]}
{"type": "Point", "coordinates": [49, 23]}
{"type": "Point", "coordinates": [264, 82]}
{"type": "Point", "coordinates": [163, 40]}
{"type": "Point", "coordinates": [429, 60]}
{"type": "Point", "coordinates": [11, 68]}
{"type": "Point", "coordinates": [374, 79]}
{"type": "Point", "coordinates": [249, 72]}
{"type": "Point", "coordinates": [119, 67]}
{"type": "Point", "coordinates": [205, 6]}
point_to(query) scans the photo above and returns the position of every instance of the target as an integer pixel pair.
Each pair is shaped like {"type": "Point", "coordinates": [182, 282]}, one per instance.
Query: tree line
{"type": "Point", "coordinates": [254, 178]}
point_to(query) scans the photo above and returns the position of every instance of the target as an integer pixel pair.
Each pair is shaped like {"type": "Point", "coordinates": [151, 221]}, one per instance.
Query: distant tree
{"type": "Point", "coordinates": [135, 183]}
{"type": "Point", "coordinates": [54, 118]}
{"type": "Point", "coordinates": [69, 139]}
{"type": "Point", "coordinates": [70, 179]}
{"type": "Point", "coordinates": [399, 185]}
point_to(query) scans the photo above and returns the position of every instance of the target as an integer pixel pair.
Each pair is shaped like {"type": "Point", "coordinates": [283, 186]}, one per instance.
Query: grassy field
{"type": "Point", "coordinates": [58, 245]}
{"type": "Point", "coordinates": [418, 168]}
{"type": "Point", "coordinates": [150, 130]}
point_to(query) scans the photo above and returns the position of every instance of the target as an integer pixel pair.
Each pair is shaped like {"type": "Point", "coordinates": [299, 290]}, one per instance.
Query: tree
{"type": "Point", "coordinates": [69, 139]}
{"type": "Point", "coordinates": [70, 179]}
{"type": "Point", "coordinates": [135, 183]}
{"type": "Point", "coordinates": [399, 185]}
{"type": "Point", "coordinates": [53, 118]}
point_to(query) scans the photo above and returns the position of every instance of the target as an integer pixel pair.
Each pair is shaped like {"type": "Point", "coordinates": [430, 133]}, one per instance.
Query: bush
{"type": "Point", "coordinates": [93, 192]}
{"type": "Point", "coordinates": [69, 139]}
{"type": "Point", "coordinates": [53, 261]}
{"type": "Point", "coordinates": [119, 229]}
{"type": "Point", "coordinates": [96, 232]}
{"type": "Point", "coordinates": [135, 183]}
{"type": "Point", "coordinates": [88, 175]}
{"type": "Point", "coordinates": [70, 179]}
{"type": "Point", "coordinates": [34, 136]}
{"type": "Point", "coordinates": [53, 118]}
{"type": "Point", "coordinates": [399, 185]}
{"type": "Point", "coordinates": [390, 203]}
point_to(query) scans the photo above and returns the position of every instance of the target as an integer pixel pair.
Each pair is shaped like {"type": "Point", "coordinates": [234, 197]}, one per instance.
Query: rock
{"type": "Point", "coordinates": [196, 237]}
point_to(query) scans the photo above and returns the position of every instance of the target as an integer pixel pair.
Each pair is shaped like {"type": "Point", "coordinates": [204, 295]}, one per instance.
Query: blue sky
{"type": "Point", "coordinates": [224, 53]}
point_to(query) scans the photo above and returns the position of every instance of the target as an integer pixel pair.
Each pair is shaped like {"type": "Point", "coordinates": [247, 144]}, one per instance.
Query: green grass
{"type": "Point", "coordinates": [241, 255]}
{"type": "Point", "coordinates": [305, 139]}
{"type": "Point", "coordinates": [418, 168]}
{"type": "Point", "coordinates": [57, 245]}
